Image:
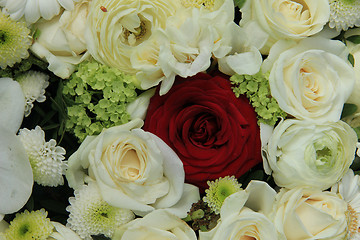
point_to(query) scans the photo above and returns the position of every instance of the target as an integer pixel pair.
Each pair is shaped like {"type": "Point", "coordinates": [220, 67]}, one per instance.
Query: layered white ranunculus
{"type": "Point", "coordinates": [159, 224]}
{"type": "Point", "coordinates": [61, 41]}
{"type": "Point", "coordinates": [117, 30]}
{"type": "Point", "coordinates": [32, 10]}
{"type": "Point", "coordinates": [302, 213]}
{"type": "Point", "coordinates": [310, 79]}
{"type": "Point", "coordinates": [286, 19]}
{"type": "Point", "coordinates": [301, 153]}
{"type": "Point", "coordinates": [244, 215]}
{"type": "Point", "coordinates": [134, 169]}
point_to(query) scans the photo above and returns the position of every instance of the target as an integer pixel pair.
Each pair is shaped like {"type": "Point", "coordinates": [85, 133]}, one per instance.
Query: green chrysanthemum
{"type": "Point", "coordinates": [14, 41]}
{"type": "Point", "coordinates": [219, 190]}
{"type": "Point", "coordinates": [344, 14]}
{"type": "Point", "coordinates": [97, 98]}
{"type": "Point", "coordinates": [257, 89]}
{"type": "Point", "coordinates": [91, 215]}
{"type": "Point", "coordinates": [29, 226]}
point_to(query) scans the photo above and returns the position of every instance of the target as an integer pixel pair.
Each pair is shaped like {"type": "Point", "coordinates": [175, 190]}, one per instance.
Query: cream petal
{"type": "Point", "coordinates": [49, 8]}
{"type": "Point", "coordinates": [32, 11]}
{"type": "Point", "coordinates": [67, 4]}
{"type": "Point", "coordinates": [12, 104]}
{"type": "Point", "coordinates": [16, 177]}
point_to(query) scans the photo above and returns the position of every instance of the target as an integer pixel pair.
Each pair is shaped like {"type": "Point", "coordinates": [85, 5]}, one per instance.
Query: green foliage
{"type": "Point", "coordinates": [239, 3]}
{"type": "Point", "coordinates": [257, 90]}
{"type": "Point", "coordinates": [348, 110]}
{"type": "Point", "coordinates": [31, 63]}
{"type": "Point", "coordinates": [354, 39]}
{"type": "Point", "coordinates": [97, 97]}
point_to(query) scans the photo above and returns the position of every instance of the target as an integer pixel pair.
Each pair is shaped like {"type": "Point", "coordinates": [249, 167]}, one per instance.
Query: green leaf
{"type": "Point", "coordinates": [348, 110]}
{"type": "Point", "coordinates": [100, 237]}
{"type": "Point", "coordinates": [354, 39]}
{"type": "Point", "coordinates": [351, 59]}
{"type": "Point", "coordinates": [239, 3]}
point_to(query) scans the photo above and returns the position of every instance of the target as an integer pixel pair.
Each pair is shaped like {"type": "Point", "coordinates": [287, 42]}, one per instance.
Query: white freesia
{"type": "Point", "coordinates": [61, 41]}
{"type": "Point", "coordinates": [12, 104]}
{"type": "Point", "coordinates": [16, 178]}
{"type": "Point", "coordinates": [62, 233]}
{"type": "Point", "coordinates": [134, 169]}
{"type": "Point", "coordinates": [302, 213]}
{"type": "Point", "coordinates": [286, 19]}
{"type": "Point", "coordinates": [159, 224]}
{"type": "Point", "coordinates": [310, 79]}
{"type": "Point", "coordinates": [304, 154]}
{"type": "Point", "coordinates": [32, 10]}
{"type": "Point", "coordinates": [244, 215]}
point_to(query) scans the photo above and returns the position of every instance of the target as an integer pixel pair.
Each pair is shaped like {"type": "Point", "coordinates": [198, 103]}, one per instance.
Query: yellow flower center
{"type": "Point", "coordinates": [353, 223]}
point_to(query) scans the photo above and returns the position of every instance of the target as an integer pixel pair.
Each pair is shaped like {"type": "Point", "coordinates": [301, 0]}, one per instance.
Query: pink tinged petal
{"type": "Point", "coordinates": [16, 178]}
{"type": "Point", "coordinates": [12, 104]}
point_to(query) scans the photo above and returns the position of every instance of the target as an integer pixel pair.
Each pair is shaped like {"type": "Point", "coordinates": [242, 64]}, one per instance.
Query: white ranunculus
{"type": "Point", "coordinates": [244, 215]}
{"type": "Point", "coordinates": [286, 19]}
{"type": "Point", "coordinates": [310, 79]}
{"type": "Point", "coordinates": [159, 224]}
{"type": "Point", "coordinates": [134, 169]}
{"type": "Point", "coordinates": [61, 41]}
{"type": "Point", "coordinates": [301, 153]}
{"type": "Point", "coordinates": [310, 214]}
{"type": "Point", "coordinates": [116, 30]}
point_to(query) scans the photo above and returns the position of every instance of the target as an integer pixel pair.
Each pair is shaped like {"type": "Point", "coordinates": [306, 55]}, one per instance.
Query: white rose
{"type": "Point", "coordinates": [116, 30]}
{"type": "Point", "coordinates": [244, 215]}
{"type": "Point", "coordinates": [134, 169]}
{"type": "Point", "coordinates": [286, 19]}
{"type": "Point", "coordinates": [159, 224]}
{"type": "Point", "coordinates": [310, 214]}
{"type": "Point", "coordinates": [310, 79]}
{"type": "Point", "coordinates": [304, 154]}
{"type": "Point", "coordinates": [61, 41]}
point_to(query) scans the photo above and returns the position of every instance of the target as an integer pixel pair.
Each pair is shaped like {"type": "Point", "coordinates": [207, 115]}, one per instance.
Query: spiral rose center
{"type": "Point", "coordinates": [203, 131]}
{"type": "Point", "coordinates": [294, 10]}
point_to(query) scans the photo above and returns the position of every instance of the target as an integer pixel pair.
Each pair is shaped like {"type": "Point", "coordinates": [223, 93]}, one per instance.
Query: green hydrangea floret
{"type": "Point", "coordinates": [219, 190]}
{"type": "Point", "coordinates": [257, 90]}
{"type": "Point", "coordinates": [97, 97]}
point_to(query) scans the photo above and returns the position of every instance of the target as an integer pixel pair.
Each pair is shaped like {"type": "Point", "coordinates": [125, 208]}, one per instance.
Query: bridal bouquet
{"type": "Point", "coordinates": [179, 119]}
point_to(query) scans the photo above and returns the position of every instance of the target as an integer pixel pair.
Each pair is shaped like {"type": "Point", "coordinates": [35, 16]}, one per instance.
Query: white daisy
{"type": "Point", "coordinates": [34, 9]}
{"type": "Point", "coordinates": [344, 14]}
{"type": "Point", "coordinates": [33, 85]}
{"type": "Point", "coordinates": [349, 189]}
{"type": "Point", "coordinates": [91, 215]}
{"type": "Point", "coordinates": [46, 158]}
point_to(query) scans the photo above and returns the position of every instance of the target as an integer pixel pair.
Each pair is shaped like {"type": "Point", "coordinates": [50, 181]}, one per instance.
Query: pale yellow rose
{"type": "Point", "coordinates": [61, 41]}
{"type": "Point", "coordinates": [157, 225]}
{"type": "Point", "coordinates": [310, 214]}
{"type": "Point", "coordinates": [286, 19]}
{"type": "Point", "coordinates": [134, 169]}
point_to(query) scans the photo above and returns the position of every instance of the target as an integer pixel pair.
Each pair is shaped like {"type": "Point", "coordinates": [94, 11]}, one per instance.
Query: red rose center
{"type": "Point", "coordinates": [203, 131]}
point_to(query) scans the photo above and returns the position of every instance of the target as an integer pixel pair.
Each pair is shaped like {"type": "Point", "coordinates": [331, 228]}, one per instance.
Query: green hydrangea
{"type": "Point", "coordinates": [97, 97]}
{"type": "Point", "coordinates": [257, 90]}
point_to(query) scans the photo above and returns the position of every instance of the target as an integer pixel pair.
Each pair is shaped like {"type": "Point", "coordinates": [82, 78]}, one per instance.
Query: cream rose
{"type": "Point", "coordinates": [116, 30]}
{"type": "Point", "coordinates": [311, 79]}
{"type": "Point", "coordinates": [134, 169]}
{"type": "Point", "coordinates": [286, 19]}
{"type": "Point", "coordinates": [244, 215]}
{"type": "Point", "coordinates": [157, 225]}
{"type": "Point", "coordinates": [61, 41]}
{"type": "Point", "coordinates": [304, 154]}
{"type": "Point", "coordinates": [310, 214]}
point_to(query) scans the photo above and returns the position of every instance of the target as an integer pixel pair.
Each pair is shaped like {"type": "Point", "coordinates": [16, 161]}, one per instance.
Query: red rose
{"type": "Point", "coordinates": [214, 133]}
